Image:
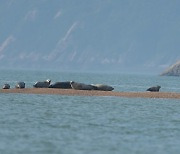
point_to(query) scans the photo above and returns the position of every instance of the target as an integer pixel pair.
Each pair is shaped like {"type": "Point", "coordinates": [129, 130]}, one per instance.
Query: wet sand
{"type": "Point", "coordinates": [72, 92]}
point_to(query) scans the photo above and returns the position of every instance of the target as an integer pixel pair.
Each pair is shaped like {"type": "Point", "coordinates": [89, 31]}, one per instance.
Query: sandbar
{"type": "Point", "coordinates": [72, 92]}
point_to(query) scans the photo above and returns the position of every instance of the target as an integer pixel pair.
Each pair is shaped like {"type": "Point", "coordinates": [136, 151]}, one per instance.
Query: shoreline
{"type": "Point", "coordinates": [72, 92]}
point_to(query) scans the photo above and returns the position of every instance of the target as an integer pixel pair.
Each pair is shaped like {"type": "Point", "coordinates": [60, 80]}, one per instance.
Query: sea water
{"type": "Point", "coordinates": [55, 124]}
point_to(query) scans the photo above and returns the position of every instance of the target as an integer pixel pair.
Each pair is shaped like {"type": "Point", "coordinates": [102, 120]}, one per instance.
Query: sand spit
{"type": "Point", "coordinates": [72, 92]}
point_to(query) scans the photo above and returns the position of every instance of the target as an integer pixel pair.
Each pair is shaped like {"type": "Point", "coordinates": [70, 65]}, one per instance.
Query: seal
{"type": "Point", "coordinates": [61, 85]}
{"type": "Point", "coordinates": [103, 87]}
{"type": "Point", "coordinates": [42, 84]}
{"type": "Point", "coordinates": [154, 89]}
{"type": "Point", "coordinates": [81, 86]}
{"type": "Point", "coordinates": [20, 85]}
{"type": "Point", "coordinates": [6, 86]}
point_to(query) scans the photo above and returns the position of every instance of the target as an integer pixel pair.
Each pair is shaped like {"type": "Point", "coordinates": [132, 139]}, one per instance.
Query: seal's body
{"type": "Point", "coordinates": [20, 85]}
{"type": "Point", "coordinates": [154, 89]}
{"type": "Point", "coordinates": [6, 86]}
{"type": "Point", "coordinates": [42, 84]}
{"type": "Point", "coordinates": [61, 85]}
{"type": "Point", "coordinates": [81, 86]}
{"type": "Point", "coordinates": [103, 87]}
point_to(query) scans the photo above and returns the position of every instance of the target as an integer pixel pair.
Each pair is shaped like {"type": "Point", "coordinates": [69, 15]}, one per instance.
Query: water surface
{"type": "Point", "coordinates": [82, 124]}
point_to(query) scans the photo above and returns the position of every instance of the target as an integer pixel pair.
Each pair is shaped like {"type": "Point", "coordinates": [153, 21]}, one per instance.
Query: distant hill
{"type": "Point", "coordinates": [89, 35]}
{"type": "Point", "coordinates": [173, 70]}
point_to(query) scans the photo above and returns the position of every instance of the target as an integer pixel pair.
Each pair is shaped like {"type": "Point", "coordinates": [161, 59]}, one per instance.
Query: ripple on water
{"type": "Point", "coordinates": [84, 124]}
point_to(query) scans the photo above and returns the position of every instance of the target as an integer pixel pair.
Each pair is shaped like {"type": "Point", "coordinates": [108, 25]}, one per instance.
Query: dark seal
{"type": "Point", "coordinates": [103, 87]}
{"type": "Point", "coordinates": [20, 85]}
{"type": "Point", "coordinates": [61, 85]}
{"type": "Point", "coordinates": [82, 86]}
{"type": "Point", "coordinates": [154, 89]}
{"type": "Point", "coordinates": [6, 86]}
{"type": "Point", "coordinates": [42, 84]}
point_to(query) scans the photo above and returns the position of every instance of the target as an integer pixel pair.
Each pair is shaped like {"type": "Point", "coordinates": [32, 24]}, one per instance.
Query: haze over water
{"type": "Point", "coordinates": [97, 35]}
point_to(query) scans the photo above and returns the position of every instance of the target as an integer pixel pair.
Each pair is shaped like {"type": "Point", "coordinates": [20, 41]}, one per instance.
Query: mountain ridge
{"type": "Point", "coordinates": [86, 35]}
{"type": "Point", "coordinates": [173, 70]}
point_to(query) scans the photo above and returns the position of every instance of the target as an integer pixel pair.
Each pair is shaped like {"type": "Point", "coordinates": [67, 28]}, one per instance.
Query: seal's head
{"type": "Point", "coordinates": [158, 86]}
{"type": "Point", "coordinates": [48, 80]}
{"type": "Point", "coordinates": [71, 82]}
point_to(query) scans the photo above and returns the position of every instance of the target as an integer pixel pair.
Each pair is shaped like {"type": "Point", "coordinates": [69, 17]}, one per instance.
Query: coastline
{"type": "Point", "coordinates": [72, 92]}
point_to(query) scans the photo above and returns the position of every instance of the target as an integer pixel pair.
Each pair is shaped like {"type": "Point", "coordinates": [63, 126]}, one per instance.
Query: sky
{"type": "Point", "coordinates": [124, 36]}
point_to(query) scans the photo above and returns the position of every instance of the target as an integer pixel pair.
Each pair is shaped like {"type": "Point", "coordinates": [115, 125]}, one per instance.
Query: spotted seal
{"type": "Point", "coordinates": [42, 84]}
{"type": "Point", "coordinates": [81, 86]}
{"type": "Point", "coordinates": [6, 86]}
{"type": "Point", "coordinates": [154, 89]}
{"type": "Point", "coordinates": [20, 85]}
{"type": "Point", "coordinates": [61, 85]}
{"type": "Point", "coordinates": [103, 87]}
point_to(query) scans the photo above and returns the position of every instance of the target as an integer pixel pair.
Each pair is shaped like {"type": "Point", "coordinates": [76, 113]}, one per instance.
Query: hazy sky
{"type": "Point", "coordinates": [90, 35]}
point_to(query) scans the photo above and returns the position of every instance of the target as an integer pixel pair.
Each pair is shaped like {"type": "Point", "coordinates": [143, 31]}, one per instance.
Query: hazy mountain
{"type": "Point", "coordinates": [89, 35]}
{"type": "Point", "coordinates": [173, 70]}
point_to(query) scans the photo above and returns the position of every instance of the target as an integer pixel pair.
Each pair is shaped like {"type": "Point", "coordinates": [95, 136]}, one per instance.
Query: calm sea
{"type": "Point", "coordinates": [55, 124]}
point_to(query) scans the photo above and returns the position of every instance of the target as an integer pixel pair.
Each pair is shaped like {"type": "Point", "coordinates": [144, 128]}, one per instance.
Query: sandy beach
{"type": "Point", "coordinates": [72, 92]}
